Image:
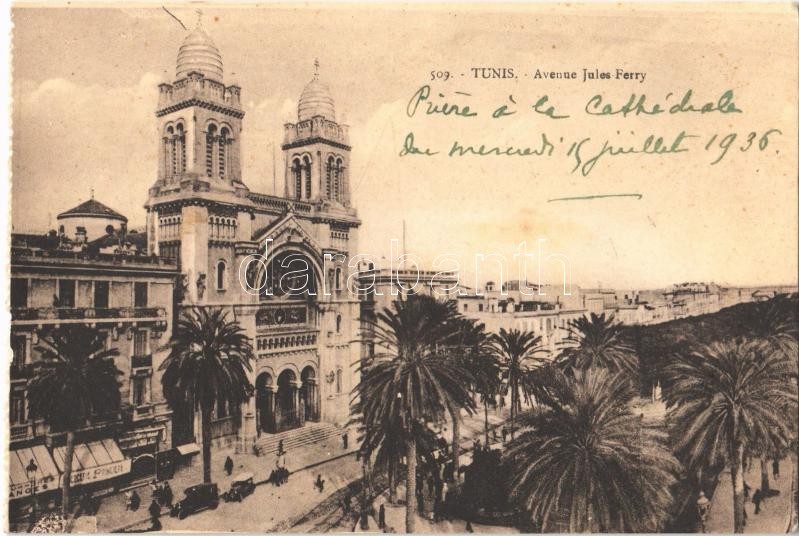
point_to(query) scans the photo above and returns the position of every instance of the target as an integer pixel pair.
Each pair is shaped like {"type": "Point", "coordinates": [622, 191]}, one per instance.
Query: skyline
{"type": "Point", "coordinates": [683, 228]}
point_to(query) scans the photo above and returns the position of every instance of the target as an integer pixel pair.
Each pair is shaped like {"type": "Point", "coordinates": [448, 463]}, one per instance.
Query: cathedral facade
{"type": "Point", "coordinates": [279, 265]}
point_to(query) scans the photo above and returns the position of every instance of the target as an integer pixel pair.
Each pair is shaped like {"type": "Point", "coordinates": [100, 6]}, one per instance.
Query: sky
{"type": "Point", "coordinates": [85, 91]}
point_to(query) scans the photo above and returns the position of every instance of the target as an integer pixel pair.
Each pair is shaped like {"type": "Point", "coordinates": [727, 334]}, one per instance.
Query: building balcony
{"type": "Point", "coordinates": [55, 315]}
{"type": "Point", "coordinates": [142, 412]}
{"type": "Point", "coordinates": [141, 361]}
{"type": "Point", "coordinates": [43, 257]}
{"type": "Point", "coordinates": [21, 432]}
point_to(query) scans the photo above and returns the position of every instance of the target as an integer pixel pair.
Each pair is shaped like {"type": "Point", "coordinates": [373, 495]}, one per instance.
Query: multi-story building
{"type": "Point", "coordinates": [279, 265]}
{"type": "Point", "coordinates": [127, 297]}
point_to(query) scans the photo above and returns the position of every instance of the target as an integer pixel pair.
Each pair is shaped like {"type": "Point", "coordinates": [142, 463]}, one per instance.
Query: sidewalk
{"type": "Point", "coordinates": [774, 511]}
{"type": "Point", "coordinates": [114, 516]}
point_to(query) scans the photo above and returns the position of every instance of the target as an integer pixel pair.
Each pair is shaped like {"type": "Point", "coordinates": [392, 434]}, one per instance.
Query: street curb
{"type": "Point", "coordinates": [260, 482]}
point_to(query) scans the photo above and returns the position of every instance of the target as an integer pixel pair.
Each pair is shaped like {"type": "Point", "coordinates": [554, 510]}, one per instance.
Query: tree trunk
{"type": "Point", "coordinates": [737, 476]}
{"type": "Point", "coordinates": [512, 411]}
{"type": "Point", "coordinates": [65, 482]}
{"type": "Point", "coordinates": [410, 487]}
{"type": "Point", "coordinates": [485, 407]}
{"type": "Point", "coordinates": [392, 483]}
{"type": "Point", "coordinates": [205, 415]}
{"type": "Point", "coordinates": [764, 483]}
{"type": "Point", "coordinates": [456, 440]}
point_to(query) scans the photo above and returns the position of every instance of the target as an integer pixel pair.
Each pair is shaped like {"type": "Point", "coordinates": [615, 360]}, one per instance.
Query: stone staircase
{"type": "Point", "coordinates": [310, 433]}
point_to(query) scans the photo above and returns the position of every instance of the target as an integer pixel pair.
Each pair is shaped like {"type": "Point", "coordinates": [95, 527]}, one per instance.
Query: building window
{"type": "Point", "coordinates": [101, 294]}
{"type": "Point", "coordinates": [329, 172]}
{"type": "Point", "coordinates": [220, 275]}
{"type": "Point", "coordinates": [17, 407]}
{"type": "Point", "coordinates": [296, 174]}
{"type": "Point", "coordinates": [338, 323]}
{"type": "Point", "coordinates": [339, 377]}
{"type": "Point", "coordinates": [66, 293]}
{"type": "Point", "coordinates": [465, 307]}
{"type": "Point", "coordinates": [210, 139]}
{"type": "Point", "coordinates": [480, 307]}
{"type": "Point", "coordinates": [338, 279]}
{"type": "Point", "coordinates": [19, 292]}
{"type": "Point", "coordinates": [140, 342]}
{"type": "Point", "coordinates": [307, 172]}
{"type": "Point", "coordinates": [222, 160]}
{"type": "Point", "coordinates": [19, 351]}
{"type": "Point", "coordinates": [140, 294]}
{"type": "Point", "coordinates": [141, 389]}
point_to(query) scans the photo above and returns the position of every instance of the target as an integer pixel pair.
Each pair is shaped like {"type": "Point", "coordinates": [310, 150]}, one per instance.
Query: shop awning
{"type": "Point", "coordinates": [46, 477]}
{"type": "Point", "coordinates": [188, 448]}
{"type": "Point", "coordinates": [93, 462]}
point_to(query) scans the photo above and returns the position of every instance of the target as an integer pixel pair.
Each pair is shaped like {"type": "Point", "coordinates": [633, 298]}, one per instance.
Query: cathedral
{"type": "Point", "coordinates": [243, 251]}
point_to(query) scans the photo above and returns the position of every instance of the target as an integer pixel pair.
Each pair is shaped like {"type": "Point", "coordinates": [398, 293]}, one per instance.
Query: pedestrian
{"type": "Point", "coordinates": [504, 435]}
{"type": "Point", "coordinates": [444, 491]}
{"type": "Point", "coordinates": [320, 484]}
{"type": "Point", "coordinates": [154, 489]}
{"type": "Point", "coordinates": [477, 445]}
{"type": "Point", "coordinates": [128, 499]}
{"type": "Point", "coordinates": [756, 499]}
{"type": "Point", "coordinates": [469, 526]}
{"type": "Point", "coordinates": [229, 465]}
{"type": "Point", "coordinates": [135, 501]}
{"type": "Point", "coordinates": [345, 440]}
{"type": "Point", "coordinates": [747, 489]}
{"type": "Point", "coordinates": [381, 516]}
{"type": "Point", "coordinates": [494, 435]}
{"type": "Point", "coordinates": [155, 514]}
{"type": "Point", "coordinates": [280, 450]}
{"type": "Point", "coordinates": [347, 505]}
{"type": "Point", "coordinates": [167, 494]}
{"type": "Point", "coordinates": [775, 468]}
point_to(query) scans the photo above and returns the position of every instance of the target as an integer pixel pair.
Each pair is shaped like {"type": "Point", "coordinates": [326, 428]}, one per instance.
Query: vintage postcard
{"type": "Point", "coordinates": [402, 268]}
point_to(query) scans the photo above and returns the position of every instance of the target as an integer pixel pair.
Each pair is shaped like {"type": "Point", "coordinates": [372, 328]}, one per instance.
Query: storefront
{"type": "Point", "coordinates": [32, 472]}
{"type": "Point", "coordinates": [95, 464]}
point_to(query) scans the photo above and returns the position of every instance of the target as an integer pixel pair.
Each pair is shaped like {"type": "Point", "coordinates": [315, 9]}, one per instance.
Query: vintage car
{"type": "Point", "coordinates": [196, 498]}
{"type": "Point", "coordinates": [240, 487]}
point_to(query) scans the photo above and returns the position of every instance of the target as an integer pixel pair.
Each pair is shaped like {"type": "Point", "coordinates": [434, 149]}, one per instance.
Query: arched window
{"type": "Point", "coordinates": [224, 135]}
{"type": "Point", "coordinates": [180, 138]}
{"type": "Point", "coordinates": [338, 279]}
{"type": "Point", "coordinates": [210, 139]}
{"type": "Point", "coordinates": [306, 170]}
{"type": "Point", "coordinates": [329, 176]}
{"type": "Point", "coordinates": [296, 173]}
{"type": "Point", "coordinates": [169, 152]}
{"type": "Point", "coordinates": [221, 269]}
{"type": "Point", "coordinates": [338, 323]}
{"type": "Point", "coordinates": [338, 179]}
{"type": "Point", "coordinates": [339, 378]}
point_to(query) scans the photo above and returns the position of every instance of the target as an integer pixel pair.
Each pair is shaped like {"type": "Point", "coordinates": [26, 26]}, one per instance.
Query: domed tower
{"type": "Point", "coordinates": [199, 117]}
{"type": "Point", "coordinates": [198, 209]}
{"type": "Point", "coordinates": [316, 148]}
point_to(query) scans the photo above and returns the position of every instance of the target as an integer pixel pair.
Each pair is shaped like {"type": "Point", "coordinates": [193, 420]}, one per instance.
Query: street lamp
{"type": "Point", "coordinates": [31, 469]}
{"type": "Point", "coordinates": [702, 507]}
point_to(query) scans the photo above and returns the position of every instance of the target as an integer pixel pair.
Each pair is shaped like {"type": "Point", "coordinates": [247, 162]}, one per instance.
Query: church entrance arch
{"type": "Point", "coordinates": [309, 393]}
{"type": "Point", "coordinates": [265, 403]}
{"type": "Point", "coordinates": [288, 410]}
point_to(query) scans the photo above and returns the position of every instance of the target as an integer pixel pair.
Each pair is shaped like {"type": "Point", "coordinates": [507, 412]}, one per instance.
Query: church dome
{"type": "Point", "coordinates": [316, 100]}
{"type": "Point", "coordinates": [198, 53]}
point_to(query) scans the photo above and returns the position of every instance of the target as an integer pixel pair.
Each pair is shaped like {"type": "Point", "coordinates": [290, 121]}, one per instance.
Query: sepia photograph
{"type": "Point", "coordinates": [401, 268]}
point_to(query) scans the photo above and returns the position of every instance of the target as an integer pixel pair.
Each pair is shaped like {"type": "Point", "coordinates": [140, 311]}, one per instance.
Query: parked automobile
{"type": "Point", "coordinates": [196, 498]}
{"type": "Point", "coordinates": [242, 485]}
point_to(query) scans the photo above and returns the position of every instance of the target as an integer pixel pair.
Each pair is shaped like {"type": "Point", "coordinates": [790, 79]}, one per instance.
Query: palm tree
{"type": "Point", "coordinates": [480, 361]}
{"type": "Point", "coordinates": [209, 358]}
{"type": "Point", "coordinates": [598, 341]}
{"type": "Point", "coordinates": [587, 459]}
{"type": "Point", "coordinates": [725, 396]}
{"type": "Point", "coordinates": [410, 381]}
{"type": "Point", "coordinates": [75, 379]}
{"type": "Point", "coordinates": [516, 351]}
{"type": "Point", "coordinates": [774, 324]}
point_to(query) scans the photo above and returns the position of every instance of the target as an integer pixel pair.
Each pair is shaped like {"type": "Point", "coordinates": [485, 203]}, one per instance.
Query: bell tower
{"type": "Point", "coordinates": [316, 149]}
{"type": "Point", "coordinates": [198, 207]}
{"type": "Point", "coordinates": [199, 117]}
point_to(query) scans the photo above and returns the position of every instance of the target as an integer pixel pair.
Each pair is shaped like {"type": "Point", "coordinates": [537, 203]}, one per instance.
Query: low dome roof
{"type": "Point", "coordinates": [93, 209]}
